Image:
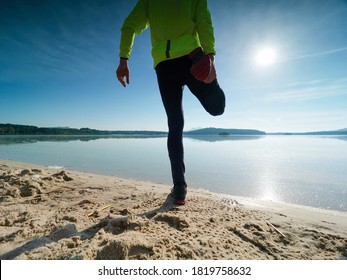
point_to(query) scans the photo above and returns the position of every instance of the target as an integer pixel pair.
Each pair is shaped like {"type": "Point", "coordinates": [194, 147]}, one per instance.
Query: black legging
{"type": "Point", "coordinates": [172, 76]}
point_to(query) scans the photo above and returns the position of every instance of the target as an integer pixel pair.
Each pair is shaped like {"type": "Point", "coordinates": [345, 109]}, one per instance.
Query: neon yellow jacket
{"type": "Point", "coordinates": [177, 27]}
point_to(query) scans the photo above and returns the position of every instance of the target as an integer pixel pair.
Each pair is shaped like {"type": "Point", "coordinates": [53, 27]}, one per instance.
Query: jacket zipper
{"type": "Point", "coordinates": [168, 45]}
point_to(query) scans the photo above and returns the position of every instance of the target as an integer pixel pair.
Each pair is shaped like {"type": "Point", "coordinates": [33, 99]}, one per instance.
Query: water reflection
{"type": "Point", "coordinates": [26, 139]}
{"type": "Point", "coordinates": [215, 138]}
{"type": "Point", "coordinates": [343, 138]}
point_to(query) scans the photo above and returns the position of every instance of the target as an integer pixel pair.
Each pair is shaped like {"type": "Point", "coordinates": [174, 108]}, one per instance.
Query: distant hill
{"type": "Point", "coordinates": [331, 132]}
{"type": "Point", "coordinates": [224, 131]}
{"type": "Point", "coordinates": [328, 132]}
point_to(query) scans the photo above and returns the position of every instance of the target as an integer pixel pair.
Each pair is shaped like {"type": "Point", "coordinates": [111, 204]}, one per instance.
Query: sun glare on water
{"type": "Point", "coordinates": [266, 56]}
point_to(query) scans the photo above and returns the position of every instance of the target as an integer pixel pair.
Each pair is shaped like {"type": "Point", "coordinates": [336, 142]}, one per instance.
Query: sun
{"type": "Point", "coordinates": [266, 56]}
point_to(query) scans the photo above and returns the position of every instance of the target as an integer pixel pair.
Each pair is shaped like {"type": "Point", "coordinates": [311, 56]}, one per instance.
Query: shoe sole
{"type": "Point", "coordinates": [179, 202]}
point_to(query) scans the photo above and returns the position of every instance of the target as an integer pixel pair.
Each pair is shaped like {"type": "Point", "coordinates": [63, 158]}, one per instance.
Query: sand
{"type": "Point", "coordinates": [48, 213]}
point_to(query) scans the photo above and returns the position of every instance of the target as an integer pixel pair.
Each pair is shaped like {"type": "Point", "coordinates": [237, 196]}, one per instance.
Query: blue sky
{"type": "Point", "coordinates": [58, 62]}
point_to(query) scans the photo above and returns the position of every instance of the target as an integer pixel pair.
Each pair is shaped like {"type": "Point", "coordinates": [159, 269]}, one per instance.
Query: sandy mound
{"type": "Point", "coordinates": [57, 214]}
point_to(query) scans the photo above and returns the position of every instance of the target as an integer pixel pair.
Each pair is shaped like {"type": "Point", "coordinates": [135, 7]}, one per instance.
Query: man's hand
{"type": "Point", "coordinates": [203, 68]}
{"type": "Point", "coordinates": [212, 75]}
{"type": "Point", "coordinates": [123, 72]}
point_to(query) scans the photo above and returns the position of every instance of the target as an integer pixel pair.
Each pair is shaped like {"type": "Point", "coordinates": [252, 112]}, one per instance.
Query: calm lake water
{"type": "Point", "coordinates": [306, 170]}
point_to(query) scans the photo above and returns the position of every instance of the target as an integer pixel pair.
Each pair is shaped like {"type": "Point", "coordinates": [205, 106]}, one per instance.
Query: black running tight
{"type": "Point", "coordinates": [172, 76]}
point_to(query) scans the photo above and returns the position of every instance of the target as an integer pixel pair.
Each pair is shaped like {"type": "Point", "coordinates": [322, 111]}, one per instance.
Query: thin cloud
{"type": "Point", "coordinates": [324, 53]}
{"type": "Point", "coordinates": [305, 94]}
{"type": "Point", "coordinates": [296, 91]}
{"type": "Point", "coordinates": [289, 86]}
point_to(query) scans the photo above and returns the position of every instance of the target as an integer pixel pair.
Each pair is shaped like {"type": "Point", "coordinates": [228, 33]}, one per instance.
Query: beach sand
{"type": "Point", "coordinates": [48, 213]}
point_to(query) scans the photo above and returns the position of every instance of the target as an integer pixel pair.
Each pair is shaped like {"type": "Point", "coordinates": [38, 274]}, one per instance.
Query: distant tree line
{"type": "Point", "coordinates": [15, 129]}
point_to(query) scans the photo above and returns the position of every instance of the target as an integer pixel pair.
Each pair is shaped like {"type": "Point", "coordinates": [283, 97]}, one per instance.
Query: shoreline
{"type": "Point", "coordinates": [49, 213]}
